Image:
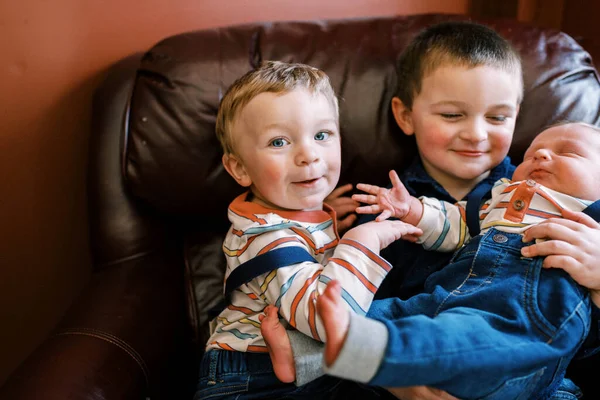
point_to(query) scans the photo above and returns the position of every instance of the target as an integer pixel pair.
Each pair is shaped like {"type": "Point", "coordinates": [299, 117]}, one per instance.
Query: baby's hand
{"type": "Point", "coordinates": [394, 202]}
{"type": "Point", "coordinates": [378, 235]}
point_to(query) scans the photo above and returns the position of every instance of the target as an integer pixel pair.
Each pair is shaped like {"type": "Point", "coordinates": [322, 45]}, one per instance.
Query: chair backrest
{"type": "Point", "coordinates": [167, 179]}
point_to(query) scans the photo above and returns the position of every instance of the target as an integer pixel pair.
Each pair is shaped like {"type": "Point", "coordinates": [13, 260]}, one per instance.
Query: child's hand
{"type": "Point", "coordinates": [394, 202]}
{"type": "Point", "coordinates": [420, 393]}
{"type": "Point", "coordinates": [573, 244]}
{"type": "Point", "coordinates": [379, 235]}
{"type": "Point", "coordinates": [344, 208]}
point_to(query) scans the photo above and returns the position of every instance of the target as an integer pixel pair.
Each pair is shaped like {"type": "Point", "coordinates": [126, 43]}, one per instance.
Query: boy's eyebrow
{"type": "Point", "coordinates": [508, 106]}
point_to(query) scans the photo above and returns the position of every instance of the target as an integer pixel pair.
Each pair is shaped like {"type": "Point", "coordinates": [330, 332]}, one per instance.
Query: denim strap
{"type": "Point", "coordinates": [257, 266]}
{"type": "Point", "coordinates": [474, 200]}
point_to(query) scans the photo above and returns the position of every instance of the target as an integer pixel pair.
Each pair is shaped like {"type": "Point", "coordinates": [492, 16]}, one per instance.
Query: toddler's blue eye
{"type": "Point", "coordinates": [279, 142]}
{"type": "Point", "coordinates": [322, 135]}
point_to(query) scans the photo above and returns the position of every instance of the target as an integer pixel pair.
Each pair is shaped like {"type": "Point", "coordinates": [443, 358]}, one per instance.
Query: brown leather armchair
{"type": "Point", "coordinates": [158, 193]}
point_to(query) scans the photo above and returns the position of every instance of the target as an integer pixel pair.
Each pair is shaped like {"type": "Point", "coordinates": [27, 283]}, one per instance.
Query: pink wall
{"type": "Point", "coordinates": [53, 54]}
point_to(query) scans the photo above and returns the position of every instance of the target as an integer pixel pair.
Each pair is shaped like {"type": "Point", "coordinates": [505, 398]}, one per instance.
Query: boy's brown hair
{"type": "Point", "coordinates": [458, 43]}
{"type": "Point", "coordinates": [270, 77]}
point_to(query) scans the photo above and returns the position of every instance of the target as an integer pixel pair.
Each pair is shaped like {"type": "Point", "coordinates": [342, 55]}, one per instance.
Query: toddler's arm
{"type": "Point", "coordinates": [355, 262]}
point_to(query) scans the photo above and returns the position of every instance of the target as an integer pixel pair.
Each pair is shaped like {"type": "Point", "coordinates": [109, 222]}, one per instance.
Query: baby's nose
{"type": "Point", "coordinates": [541, 154]}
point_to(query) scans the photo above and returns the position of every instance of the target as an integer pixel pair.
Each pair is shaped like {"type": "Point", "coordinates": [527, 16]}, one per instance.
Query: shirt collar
{"type": "Point", "coordinates": [418, 181]}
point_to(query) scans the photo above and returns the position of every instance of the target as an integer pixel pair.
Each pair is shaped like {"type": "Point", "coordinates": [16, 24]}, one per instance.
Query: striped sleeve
{"type": "Point", "coordinates": [444, 225]}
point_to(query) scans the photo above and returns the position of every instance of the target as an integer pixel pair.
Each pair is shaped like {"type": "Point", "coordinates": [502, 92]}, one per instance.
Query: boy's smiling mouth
{"type": "Point", "coordinates": [469, 153]}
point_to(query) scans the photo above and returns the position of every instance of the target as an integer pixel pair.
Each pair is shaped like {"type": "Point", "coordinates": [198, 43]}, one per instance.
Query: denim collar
{"type": "Point", "coordinates": [420, 183]}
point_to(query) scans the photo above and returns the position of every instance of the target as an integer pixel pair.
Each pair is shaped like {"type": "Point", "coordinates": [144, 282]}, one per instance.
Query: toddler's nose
{"type": "Point", "coordinates": [307, 154]}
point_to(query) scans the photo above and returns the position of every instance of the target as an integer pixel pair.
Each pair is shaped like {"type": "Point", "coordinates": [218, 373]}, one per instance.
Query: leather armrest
{"type": "Point", "coordinates": [126, 337]}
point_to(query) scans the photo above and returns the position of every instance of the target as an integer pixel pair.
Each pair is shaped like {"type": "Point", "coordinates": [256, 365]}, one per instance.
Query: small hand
{"type": "Point", "coordinates": [420, 393]}
{"type": "Point", "coordinates": [572, 244]}
{"type": "Point", "coordinates": [394, 202]}
{"type": "Point", "coordinates": [344, 207]}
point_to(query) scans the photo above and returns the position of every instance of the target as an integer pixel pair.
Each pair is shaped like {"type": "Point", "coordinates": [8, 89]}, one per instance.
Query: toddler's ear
{"type": "Point", "coordinates": [403, 116]}
{"type": "Point", "coordinates": [236, 169]}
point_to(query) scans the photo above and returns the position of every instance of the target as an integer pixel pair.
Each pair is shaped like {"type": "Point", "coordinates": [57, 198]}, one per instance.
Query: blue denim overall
{"type": "Point", "coordinates": [507, 327]}
{"type": "Point", "coordinates": [249, 376]}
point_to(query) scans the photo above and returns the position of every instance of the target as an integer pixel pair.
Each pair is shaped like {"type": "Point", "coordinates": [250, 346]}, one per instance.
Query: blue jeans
{"type": "Point", "coordinates": [490, 325]}
{"type": "Point", "coordinates": [242, 376]}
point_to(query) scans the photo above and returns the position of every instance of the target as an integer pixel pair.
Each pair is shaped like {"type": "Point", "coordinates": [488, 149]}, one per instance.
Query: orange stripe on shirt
{"type": "Point", "coordinates": [252, 296]}
{"type": "Point", "coordinates": [257, 349]}
{"type": "Point", "coordinates": [241, 251]}
{"type": "Point", "coordinates": [252, 217]}
{"type": "Point", "coordinates": [306, 238]}
{"type": "Point", "coordinates": [372, 256]}
{"type": "Point", "coordinates": [312, 316]}
{"type": "Point", "coordinates": [299, 296]}
{"type": "Point", "coordinates": [509, 188]}
{"type": "Point", "coordinates": [224, 346]}
{"type": "Point", "coordinates": [542, 214]}
{"type": "Point", "coordinates": [328, 246]}
{"type": "Point", "coordinates": [243, 310]}
{"type": "Point", "coordinates": [312, 244]}
{"type": "Point", "coordinates": [277, 243]}
{"type": "Point", "coordinates": [363, 279]}
{"type": "Point", "coordinates": [237, 232]}
{"type": "Point", "coordinates": [502, 204]}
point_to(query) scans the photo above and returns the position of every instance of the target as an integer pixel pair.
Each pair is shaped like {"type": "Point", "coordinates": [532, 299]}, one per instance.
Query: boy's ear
{"type": "Point", "coordinates": [403, 116]}
{"type": "Point", "coordinates": [236, 169]}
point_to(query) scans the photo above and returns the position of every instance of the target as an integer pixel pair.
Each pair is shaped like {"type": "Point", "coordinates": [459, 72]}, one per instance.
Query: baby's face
{"type": "Point", "coordinates": [565, 158]}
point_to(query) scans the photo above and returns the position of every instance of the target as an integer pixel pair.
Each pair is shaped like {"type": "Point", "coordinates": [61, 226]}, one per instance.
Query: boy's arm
{"type": "Point", "coordinates": [360, 331]}
{"type": "Point", "coordinates": [395, 202]}
{"type": "Point", "coordinates": [308, 357]}
{"type": "Point", "coordinates": [444, 225]}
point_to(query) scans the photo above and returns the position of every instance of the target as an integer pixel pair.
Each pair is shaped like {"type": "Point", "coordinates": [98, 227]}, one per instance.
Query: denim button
{"type": "Point", "coordinates": [499, 238]}
{"type": "Point", "coordinates": [518, 204]}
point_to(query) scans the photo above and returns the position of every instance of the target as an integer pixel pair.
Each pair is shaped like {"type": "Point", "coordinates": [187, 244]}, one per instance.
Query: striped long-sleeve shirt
{"type": "Point", "coordinates": [293, 289]}
{"type": "Point", "coordinates": [513, 207]}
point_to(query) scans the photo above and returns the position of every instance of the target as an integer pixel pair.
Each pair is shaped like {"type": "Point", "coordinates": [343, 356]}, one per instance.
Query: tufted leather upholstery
{"type": "Point", "coordinates": [158, 193]}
